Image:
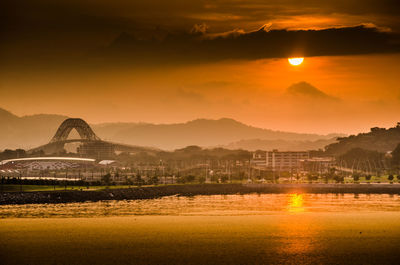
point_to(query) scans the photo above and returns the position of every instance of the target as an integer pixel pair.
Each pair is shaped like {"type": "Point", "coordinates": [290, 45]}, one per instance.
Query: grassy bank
{"type": "Point", "coordinates": [282, 181]}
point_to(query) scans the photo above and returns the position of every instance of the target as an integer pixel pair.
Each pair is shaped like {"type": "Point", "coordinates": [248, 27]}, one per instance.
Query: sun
{"type": "Point", "coordinates": [296, 61]}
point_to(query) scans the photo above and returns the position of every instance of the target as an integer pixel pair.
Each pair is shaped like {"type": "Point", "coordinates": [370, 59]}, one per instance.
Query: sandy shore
{"type": "Point", "coordinates": [313, 238]}
{"type": "Point", "coordinates": [190, 190]}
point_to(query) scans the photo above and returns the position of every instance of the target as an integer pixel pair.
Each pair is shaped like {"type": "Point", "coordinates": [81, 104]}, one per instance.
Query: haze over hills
{"type": "Point", "coordinates": [27, 131]}
{"type": "Point", "coordinates": [31, 131]}
{"type": "Point", "coordinates": [201, 132]}
{"type": "Point", "coordinates": [282, 145]}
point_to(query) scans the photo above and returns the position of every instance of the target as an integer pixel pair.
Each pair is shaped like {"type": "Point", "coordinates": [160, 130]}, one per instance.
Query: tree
{"type": "Point", "coordinates": [298, 176]}
{"type": "Point", "coordinates": [154, 180]}
{"type": "Point", "coordinates": [224, 179]}
{"type": "Point", "coordinates": [128, 180]}
{"type": "Point", "coordinates": [356, 177]}
{"type": "Point", "coordinates": [202, 179]}
{"type": "Point", "coordinates": [138, 180]}
{"type": "Point", "coordinates": [116, 176]}
{"type": "Point", "coordinates": [241, 175]}
{"type": "Point", "coordinates": [396, 156]}
{"type": "Point", "coordinates": [310, 178]}
{"type": "Point", "coordinates": [180, 179]}
{"type": "Point", "coordinates": [338, 178]}
{"type": "Point", "coordinates": [326, 177]}
{"type": "Point", "coordinates": [214, 178]}
{"type": "Point", "coordinates": [190, 178]}
{"type": "Point", "coordinates": [390, 177]}
{"type": "Point", "coordinates": [106, 179]}
{"type": "Point", "coordinates": [276, 176]}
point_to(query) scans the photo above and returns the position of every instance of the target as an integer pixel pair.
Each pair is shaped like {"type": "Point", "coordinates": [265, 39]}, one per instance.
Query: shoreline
{"type": "Point", "coordinates": [140, 193]}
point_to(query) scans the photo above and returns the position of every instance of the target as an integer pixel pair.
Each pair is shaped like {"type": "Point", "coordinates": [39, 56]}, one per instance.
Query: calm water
{"type": "Point", "coordinates": [253, 204]}
{"type": "Point", "coordinates": [231, 229]}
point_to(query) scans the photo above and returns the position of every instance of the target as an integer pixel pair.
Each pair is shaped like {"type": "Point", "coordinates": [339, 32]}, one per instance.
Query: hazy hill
{"type": "Point", "coordinates": [31, 131]}
{"type": "Point", "coordinates": [378, 139]}
{"type": "Point", "coordinates": [27, 131]}
{"type": "Point", "coordinates": [201, 132]}
{"type": "Point", "coordinates": [282, 145]}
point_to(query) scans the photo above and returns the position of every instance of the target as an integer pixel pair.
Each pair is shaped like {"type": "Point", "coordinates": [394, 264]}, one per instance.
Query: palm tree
{"type": "Point", "coordinates": [390, 178]}
{"type": "Point", "coordinates": [356, 177]}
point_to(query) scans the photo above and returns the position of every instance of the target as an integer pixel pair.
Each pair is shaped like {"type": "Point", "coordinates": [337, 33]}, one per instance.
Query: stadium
{"type": "Point", "coordinates": [46, 163]}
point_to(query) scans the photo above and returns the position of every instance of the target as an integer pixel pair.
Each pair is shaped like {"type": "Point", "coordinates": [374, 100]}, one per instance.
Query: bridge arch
{"type": "Point", "coordinates": [90, 144]}
{"type": "Point", "coordinates": [84, 130]}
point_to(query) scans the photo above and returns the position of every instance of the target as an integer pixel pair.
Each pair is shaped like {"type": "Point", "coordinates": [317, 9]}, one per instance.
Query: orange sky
{"type": "Point", "coordinates": [153, 61]}
{"type": "Point", "coordinates": [359, 92]}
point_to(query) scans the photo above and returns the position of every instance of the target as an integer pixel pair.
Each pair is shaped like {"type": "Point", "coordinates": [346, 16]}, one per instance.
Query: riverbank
{"type": "Point", "coordinates": [138, 193]}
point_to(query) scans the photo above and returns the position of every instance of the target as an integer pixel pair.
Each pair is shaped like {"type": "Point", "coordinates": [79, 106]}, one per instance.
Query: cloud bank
{"type": "Point", "coordinates": [199, 46]}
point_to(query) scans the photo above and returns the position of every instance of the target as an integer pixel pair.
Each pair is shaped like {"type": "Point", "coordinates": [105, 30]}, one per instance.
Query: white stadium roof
{"type": "Point", "coordinates": [74, 159]}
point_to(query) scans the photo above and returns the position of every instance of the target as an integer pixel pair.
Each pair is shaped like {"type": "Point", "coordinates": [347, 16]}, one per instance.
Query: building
{"type": "Point", "coordinates": [279, 161]}
{"type": "Point", "coordinates": [96, 149]}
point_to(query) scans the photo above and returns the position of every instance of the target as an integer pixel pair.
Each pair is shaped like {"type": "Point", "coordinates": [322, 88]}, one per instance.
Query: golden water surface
{"type": "Point", "coordinates": [231, 229]}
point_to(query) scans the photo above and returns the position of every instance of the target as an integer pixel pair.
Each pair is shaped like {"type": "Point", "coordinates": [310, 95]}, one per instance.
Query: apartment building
{"type": "Point", "coordinates": [279, 160]}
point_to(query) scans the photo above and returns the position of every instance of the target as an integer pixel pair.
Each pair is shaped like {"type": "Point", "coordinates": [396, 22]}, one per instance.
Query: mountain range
{"type": "Point", "coordinates": [30, 131]}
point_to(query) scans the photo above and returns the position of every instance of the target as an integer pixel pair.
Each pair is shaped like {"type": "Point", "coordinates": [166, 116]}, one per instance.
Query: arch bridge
{"type": "Point", "coordinates": [84, 130]}
{"type": "Point", "coordinates": [90, 144]}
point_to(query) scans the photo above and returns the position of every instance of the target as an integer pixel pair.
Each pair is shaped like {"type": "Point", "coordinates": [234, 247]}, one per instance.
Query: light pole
{"type": "Point", "coordinates": [66, 177]}
{"type": "Point", "coordinates": [20, 181]}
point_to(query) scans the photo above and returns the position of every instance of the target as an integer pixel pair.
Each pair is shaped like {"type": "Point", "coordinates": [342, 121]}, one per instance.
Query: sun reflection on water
{"type": "Point", "coordinates": [297, 237]}
{"type": "Point", "coordinates": [296, 203]}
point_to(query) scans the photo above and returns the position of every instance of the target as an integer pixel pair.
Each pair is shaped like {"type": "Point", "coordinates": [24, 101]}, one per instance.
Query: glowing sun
{"type": "Point", "coordinates": [296, 61]}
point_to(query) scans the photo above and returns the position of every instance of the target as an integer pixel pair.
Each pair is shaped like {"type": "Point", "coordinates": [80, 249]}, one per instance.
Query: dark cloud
{"type": "Point", "coordinates": [199, 29]}
{"type": "Point", "coordinates": [76, 15]}
{"type": "Point", "coordinates": [308, 90]}
{"type": "Point", "coordinates": [45, 30]}
{"type": "Point", "coordinates": [264, 43]}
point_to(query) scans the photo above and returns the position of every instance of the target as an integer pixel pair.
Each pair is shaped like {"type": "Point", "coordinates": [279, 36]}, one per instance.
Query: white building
{"type": "Point", "coordinates": [279, 161]}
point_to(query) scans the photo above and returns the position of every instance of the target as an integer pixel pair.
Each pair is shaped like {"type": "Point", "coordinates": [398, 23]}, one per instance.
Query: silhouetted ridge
{"type": "Point", "coordinates": [378, 139]}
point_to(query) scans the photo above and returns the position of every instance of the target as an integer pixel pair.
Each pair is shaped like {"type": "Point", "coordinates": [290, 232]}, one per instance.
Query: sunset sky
{"type": "Point", "coordinates": [173, 61]}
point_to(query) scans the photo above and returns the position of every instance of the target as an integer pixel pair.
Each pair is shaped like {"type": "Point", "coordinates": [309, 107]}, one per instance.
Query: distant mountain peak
{"type": "Point", "coordinates": [6, 114]}
{"type": "Point", "coordinates": [221, 120]}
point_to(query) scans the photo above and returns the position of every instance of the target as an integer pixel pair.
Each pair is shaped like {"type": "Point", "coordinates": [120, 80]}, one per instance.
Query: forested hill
{"type": "Point", "coordinates": [378, 139]}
